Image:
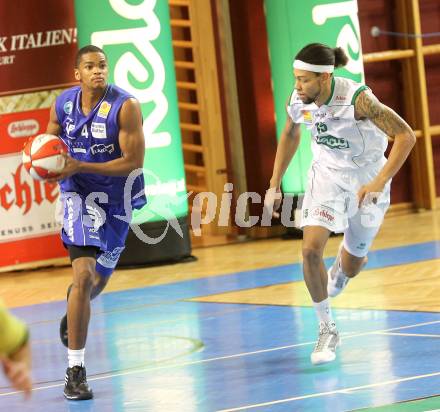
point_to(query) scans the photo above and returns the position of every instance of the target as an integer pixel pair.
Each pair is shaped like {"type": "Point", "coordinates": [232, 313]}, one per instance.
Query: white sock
{"type": "Point", "coordinates": [324, 311]}
{"type": "Point", "coordinates": [76, 357]}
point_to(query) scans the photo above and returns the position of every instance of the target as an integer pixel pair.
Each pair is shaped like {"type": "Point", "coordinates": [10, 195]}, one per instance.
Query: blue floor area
{"type": "Point", "coordinates": [148, 350]}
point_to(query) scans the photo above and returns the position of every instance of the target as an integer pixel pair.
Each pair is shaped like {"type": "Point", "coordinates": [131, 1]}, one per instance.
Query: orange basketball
{"type": "Point", "coordinates": [26, 155]}
{"type": "Point", "coordinates": [43, 156]}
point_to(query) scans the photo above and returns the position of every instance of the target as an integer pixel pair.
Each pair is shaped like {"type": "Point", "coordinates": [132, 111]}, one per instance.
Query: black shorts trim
{"type": "Point", "coordinates": [76, 252]}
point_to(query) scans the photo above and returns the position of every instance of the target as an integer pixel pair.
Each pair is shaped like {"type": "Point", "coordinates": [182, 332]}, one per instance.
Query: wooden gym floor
{"type": "Point", "coordinates": [234, 330]}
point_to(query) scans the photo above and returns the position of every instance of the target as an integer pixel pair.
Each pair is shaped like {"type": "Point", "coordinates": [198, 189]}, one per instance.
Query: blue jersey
{"type": "Point", "coordinates": [95, 138]}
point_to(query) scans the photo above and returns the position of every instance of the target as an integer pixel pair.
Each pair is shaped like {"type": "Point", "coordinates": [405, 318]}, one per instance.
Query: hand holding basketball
{"type": "Point", "coordinates": [44, 156]}
{"type": "Point", "coordinates": [71, 166]}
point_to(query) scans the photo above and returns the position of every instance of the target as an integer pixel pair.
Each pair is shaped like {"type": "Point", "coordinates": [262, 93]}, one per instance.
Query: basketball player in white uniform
{"type": "Point", "coordinates": [349, 179]}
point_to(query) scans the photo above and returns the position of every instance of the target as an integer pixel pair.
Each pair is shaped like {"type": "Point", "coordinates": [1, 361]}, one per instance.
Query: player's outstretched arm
{"type": "Point", "coordinates": [286, 149]}
{"type": "Point", "coordinates": [369, 107]}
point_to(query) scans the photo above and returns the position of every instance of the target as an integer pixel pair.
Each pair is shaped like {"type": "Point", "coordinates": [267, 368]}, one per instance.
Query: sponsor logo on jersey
{"type": "Point", "coordinates": [361, 246]}
{"type": "Point", "coordinates": [110, 259]}
{"type": "Point", "coordinates": [320, 115]}
{"type": "Point", "coordinates": [77, 147]}
{"type": "Point", "coordinates": [68, 106]}
{"type": "Point", "coordinates": [327, 115]}
{"type": "Point", "coordinates": [104, 109]}
{"type": "Point", "coordinates": [70, 219]}
{"type": "Point", "coordinates": [102, 148]}
{"type": "Point", "coordinates": [340, 98]}
{"type": "Point", "coordinates": [69, 127]}
{"type": "Point", "coordinates": [308, 118]}
{"type": "Point", "coordinates": [95, 217]}
{"type": "Point", "coordinates": [99, 130]}
{"type": "Point", "coordinates": [323, 215]}
{"type": "Point", "coordinates": [332, 142]}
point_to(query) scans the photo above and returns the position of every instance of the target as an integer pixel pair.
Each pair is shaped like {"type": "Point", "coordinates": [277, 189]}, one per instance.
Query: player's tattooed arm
{"type": "Point", "coordinates": [368, 106]}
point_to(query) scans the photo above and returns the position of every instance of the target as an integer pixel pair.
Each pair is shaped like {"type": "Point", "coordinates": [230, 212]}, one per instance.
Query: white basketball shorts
{"type": "Point", "coordinates": [331, 201]}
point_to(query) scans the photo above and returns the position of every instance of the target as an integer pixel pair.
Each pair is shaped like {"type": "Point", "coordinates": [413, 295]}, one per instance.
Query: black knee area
{"type": "Point", "coordinates": [76, 252]}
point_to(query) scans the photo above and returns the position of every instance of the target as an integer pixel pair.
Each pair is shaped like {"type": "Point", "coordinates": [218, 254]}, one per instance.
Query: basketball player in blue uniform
{"type": "Point", "coordinates": [101, 125]}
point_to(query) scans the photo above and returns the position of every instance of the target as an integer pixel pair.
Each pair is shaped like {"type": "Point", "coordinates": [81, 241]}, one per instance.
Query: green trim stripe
{"type": "Point", "coordinates": [331, 91]}
{"type": "Point", "coordinates": [356, 93]}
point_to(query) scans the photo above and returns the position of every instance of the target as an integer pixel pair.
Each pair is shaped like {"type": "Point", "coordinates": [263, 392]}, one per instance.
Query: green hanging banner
{"type": "Point", "coordinates": [291, 25]}
{"type": "Point", "coordinates": [137, 41]}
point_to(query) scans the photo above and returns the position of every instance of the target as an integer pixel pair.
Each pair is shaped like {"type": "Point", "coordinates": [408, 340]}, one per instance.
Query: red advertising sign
{"type": "Point", "coordinates": [37, 54]}
{"type": "Point", "coordinates": [28, 227]}
{"type": "Point", "coordinates": [37, 45]}
{"type": "Point", "coordinates": [29, 230]}
{"type": "Point", "coordinates": [17, 128]}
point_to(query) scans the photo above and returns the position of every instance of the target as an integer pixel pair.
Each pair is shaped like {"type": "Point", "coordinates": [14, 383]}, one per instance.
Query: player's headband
{"type": "Point", "coordinates": [317, 68]}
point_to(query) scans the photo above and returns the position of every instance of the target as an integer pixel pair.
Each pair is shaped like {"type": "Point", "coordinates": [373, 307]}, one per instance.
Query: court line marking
{"type": "Point", "coordinates": [415, 325]}
{"type": "Point", "coordinates": [237, 355]}
{"type": "Point", "coordinates": [321, 394]}
{"type": "Point", "coordinates": [421, 335]}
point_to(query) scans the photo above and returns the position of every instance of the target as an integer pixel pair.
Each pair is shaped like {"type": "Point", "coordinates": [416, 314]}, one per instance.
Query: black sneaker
{"type": "Point", "coordinates": [63, 324]}
{"type": "Point", "coordinates": [76, 387]}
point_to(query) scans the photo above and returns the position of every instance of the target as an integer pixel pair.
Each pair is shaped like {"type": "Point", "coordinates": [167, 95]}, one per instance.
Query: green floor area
{"type": "Point", "coordinates": [430, 404]}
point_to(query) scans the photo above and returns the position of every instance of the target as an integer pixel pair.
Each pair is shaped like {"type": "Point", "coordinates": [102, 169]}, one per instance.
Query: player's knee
{"type": "Point", "coordinates": [83, 279]}
{"type": "Point", "coordinates": [311, 254]}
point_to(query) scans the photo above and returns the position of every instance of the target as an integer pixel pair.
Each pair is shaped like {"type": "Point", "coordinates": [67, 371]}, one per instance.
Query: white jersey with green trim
{"type": "Point", "coordinates": [339, 141]}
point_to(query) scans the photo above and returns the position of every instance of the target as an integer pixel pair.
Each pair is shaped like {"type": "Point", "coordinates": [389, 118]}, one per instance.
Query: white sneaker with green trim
{"type": "Point", "coordinates": [328, 341]}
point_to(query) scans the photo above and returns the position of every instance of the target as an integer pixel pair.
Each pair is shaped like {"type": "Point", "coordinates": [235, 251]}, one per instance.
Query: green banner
{"type": "Point", "coordinates": [291, 25]}
{"type": "Point", "coordinates": [137, 41]}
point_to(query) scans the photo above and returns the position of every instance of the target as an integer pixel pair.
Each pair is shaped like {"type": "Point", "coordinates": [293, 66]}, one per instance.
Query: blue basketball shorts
{"type": "Point", "coordinates": [89, 223]}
